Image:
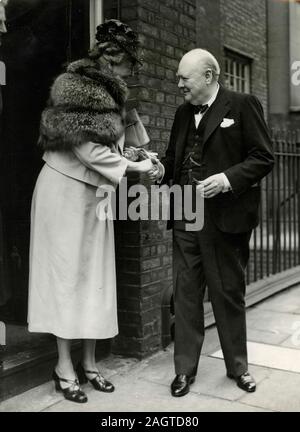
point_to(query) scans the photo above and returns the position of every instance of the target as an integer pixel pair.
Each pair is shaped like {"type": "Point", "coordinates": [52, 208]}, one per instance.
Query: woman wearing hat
{"type": "Point", "coordinates": [72, 282]}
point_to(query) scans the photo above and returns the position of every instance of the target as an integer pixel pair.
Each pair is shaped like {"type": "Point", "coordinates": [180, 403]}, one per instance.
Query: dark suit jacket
{"type": "Point", "coordinates": [243, 151]}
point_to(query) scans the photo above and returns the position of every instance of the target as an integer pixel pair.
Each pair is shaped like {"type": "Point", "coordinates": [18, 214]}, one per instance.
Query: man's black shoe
{"type": "Point", "coordinates": [181, 385]}
{"type": "Point", "coordinates": [245, 382]}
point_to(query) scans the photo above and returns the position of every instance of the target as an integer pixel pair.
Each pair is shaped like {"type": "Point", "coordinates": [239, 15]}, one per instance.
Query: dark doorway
{"type": "Point", "coordinates": [42, 36]}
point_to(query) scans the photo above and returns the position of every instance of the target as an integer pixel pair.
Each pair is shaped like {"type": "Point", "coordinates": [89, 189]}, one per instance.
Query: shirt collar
{"type": "Point", "coordinates": [214, 96]}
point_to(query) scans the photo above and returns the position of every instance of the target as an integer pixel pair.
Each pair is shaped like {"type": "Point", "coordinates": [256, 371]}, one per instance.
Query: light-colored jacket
{"type": "Point", "coordinates": [91, 163]}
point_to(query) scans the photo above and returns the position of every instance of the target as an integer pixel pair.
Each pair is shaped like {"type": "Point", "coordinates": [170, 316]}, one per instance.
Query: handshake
{"type": "Point", "coordinates": [146, 161]}
{"type": "Point", "coordinates": [139, 159]}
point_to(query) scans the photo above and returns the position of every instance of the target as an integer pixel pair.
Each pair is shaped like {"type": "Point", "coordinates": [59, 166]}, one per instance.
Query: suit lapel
{"type": "Point", "coordinates": [185, 120]}
{"type": "Point", "coordinates": [218, 110]}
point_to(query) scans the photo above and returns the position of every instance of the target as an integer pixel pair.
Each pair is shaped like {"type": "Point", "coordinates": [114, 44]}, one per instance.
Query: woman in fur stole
{"type": "Point", "coordinates": [72, 283]}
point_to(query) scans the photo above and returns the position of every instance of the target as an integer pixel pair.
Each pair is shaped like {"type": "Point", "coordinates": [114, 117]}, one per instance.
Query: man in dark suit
{"type": "Point", "coordinates": [219, 143]}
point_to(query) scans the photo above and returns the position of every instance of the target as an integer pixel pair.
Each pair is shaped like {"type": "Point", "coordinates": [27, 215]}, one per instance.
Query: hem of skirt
{"type": "Point", "coordinates": [68, 336]}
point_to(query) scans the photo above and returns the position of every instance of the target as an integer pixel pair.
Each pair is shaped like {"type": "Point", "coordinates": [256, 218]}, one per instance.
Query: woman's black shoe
{"type": "Point", "coordinates": [99, 382]}
{"type": "Point", "coordinates": [72, 393]}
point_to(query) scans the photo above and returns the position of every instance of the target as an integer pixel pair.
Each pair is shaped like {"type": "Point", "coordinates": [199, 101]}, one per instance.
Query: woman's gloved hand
{"type": "Point", "coordinates": [137, 154]}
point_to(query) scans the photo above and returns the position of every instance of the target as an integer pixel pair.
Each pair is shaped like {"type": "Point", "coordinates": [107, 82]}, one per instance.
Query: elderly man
{"type": "Point", "coordinates": [219, 142]}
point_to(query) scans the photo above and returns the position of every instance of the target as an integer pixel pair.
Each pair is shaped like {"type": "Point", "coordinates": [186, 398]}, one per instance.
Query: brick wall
{"type": "Point", "coordinates": [243, 28]}
{"type": "Point", "coordinates": [208, 26]}
{"type": "Point", "coordinates": [167, 30]}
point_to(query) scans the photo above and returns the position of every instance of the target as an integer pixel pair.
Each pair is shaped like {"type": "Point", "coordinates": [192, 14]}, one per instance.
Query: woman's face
{"type": "Point", "coordinates": [125, 69]}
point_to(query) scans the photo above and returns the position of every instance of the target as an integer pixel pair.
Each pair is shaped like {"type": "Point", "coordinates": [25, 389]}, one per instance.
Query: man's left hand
{"type": "Point", "coordinates": [213, 185]}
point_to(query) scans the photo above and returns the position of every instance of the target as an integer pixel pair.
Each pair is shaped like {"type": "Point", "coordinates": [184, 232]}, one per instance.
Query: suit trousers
{"type": "Point", "coordinates": [216, 260]}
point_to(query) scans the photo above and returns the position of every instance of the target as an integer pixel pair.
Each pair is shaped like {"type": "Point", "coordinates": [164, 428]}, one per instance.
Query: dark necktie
{"type": "Point", "coordinates": [200, 109]}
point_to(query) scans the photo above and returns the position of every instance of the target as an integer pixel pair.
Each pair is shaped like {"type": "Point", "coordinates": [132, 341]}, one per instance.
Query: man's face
{"type": "Point", "coordinates": [192, 82]}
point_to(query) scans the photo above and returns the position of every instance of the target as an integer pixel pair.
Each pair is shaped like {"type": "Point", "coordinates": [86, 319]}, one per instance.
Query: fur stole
{"type": "Point", "coordinates": [86, 104]}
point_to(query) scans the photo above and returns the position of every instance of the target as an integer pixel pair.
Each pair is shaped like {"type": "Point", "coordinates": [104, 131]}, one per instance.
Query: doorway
{"type": "Point", "coordinates": [41, 37]}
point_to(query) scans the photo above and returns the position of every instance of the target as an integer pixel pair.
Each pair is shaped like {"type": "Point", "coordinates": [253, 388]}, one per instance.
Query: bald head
{"type": "Point", "coordinates": [198, 74]}
{"type": "Point", "coordinates": [200, 59]}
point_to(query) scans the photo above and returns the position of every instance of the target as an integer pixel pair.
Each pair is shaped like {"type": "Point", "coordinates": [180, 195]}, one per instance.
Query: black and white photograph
{"type": "Point", "coordinates": [149, 209]}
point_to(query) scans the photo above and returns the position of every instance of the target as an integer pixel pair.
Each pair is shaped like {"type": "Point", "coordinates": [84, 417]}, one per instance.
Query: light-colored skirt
{"type": "Point", "coordinates": [72, 279]}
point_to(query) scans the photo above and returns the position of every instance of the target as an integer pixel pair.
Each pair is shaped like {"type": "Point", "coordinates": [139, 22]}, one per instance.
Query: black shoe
{"type": "Point", "coordinates": [181, 385]}
{"type": "Point", "coordinates": [99, 382]}
{"type": "Point", "coordinates": [72, 393]}
{"type": "Point", "coordinates": [245, 382]}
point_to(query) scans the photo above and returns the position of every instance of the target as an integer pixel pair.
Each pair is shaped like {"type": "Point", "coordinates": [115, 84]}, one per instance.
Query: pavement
{"type": "Point", "coordinates": [143, 386]}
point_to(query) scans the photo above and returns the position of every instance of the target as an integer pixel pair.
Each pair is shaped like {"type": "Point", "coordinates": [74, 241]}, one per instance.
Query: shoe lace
{"type": "Point", "coordinates": [246, 377]}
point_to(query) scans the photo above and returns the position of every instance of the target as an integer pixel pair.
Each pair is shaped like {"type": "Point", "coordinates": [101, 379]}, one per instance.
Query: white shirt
{"type": "Point", "coordinates": [198, 118]}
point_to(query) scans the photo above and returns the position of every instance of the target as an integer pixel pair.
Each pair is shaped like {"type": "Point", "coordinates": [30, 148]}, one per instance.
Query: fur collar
{"type": "Point", "coordinates": [91, 70]}
{"type": "Point", "coordinates": [86, 104]}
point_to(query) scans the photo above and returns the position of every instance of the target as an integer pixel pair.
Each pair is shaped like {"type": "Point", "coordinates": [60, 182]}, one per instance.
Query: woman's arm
{"type": "Point", "coordinates": [141, 167]}
{"type": "Point", "coordinates": [109, 164]}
